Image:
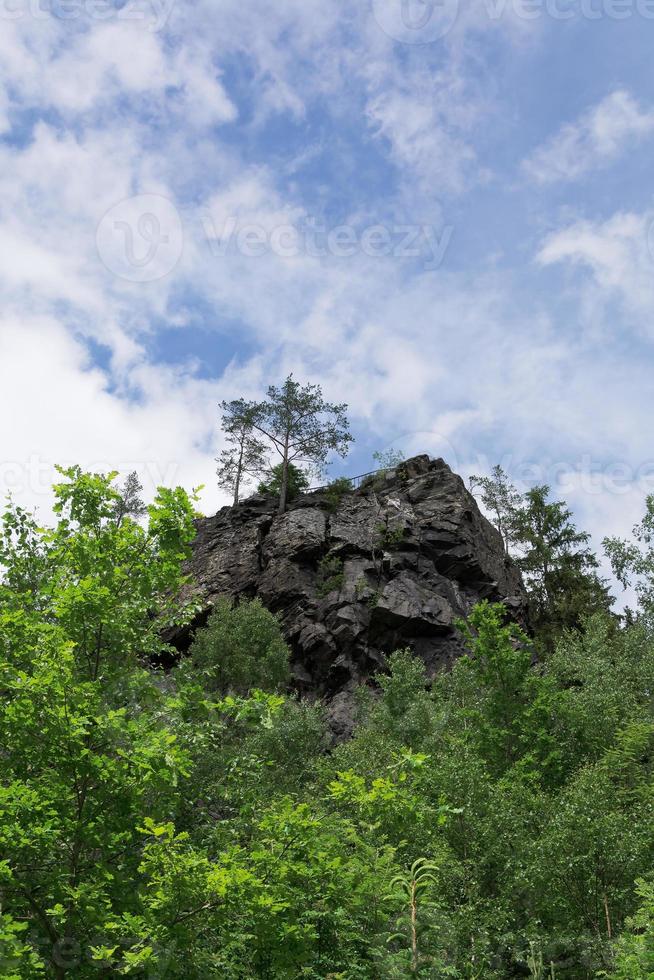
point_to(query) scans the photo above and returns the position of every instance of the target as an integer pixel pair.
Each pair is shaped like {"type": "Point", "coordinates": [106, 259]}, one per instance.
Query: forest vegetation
{"type": "Point", "coordinates": [199, 822]}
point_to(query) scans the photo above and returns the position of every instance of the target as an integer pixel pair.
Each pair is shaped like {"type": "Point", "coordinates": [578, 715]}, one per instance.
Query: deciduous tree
{"type": "Point", "coordinates": [502, 500]}
{"type": "Point", "coordinates": [633, 561]}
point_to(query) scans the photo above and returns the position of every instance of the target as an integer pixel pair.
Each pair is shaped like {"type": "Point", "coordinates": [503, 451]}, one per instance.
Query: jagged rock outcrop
{"type": "Point", "coordinates": [392, 564]}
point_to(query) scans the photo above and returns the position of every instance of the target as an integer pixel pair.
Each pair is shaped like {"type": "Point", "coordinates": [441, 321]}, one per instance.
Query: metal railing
{"type": "Point", "coordinates": [354, 481]}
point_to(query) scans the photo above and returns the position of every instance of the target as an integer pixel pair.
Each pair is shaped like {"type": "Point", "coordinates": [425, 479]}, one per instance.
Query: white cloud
{"type": "Point", "coordinates": [87, 68]}
{"type": "Point", "coordinates": [73, 415]}
{"type": "Point", "coordinates": [618, 257]}
{"type": "Point", "coordinates": [442, 360]}
{"type": "Point", "coordinates": [251, 199]}
{"type": "Point", "coordinates": [425, 134]}
{"type": "Point", "coordinates": [596, 139]}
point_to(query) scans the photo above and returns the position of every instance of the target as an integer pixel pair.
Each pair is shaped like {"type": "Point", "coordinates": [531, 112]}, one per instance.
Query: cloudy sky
{"type": "Point", "coordinates": [440, 211]}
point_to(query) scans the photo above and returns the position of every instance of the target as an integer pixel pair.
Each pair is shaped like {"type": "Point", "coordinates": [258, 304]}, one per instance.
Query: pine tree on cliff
{"type": "Point", "coordinates": [560, 570]}
{"type": "Point", "coordinates": [298, 425]}
{"type": "Point", "coordinates": [244, 455]}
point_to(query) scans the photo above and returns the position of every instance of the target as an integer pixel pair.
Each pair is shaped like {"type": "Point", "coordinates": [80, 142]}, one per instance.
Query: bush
{"type": "Point", "coordinates": [336, 491]}
{"type": "Point", "coordinates": [298, 482]}
{"type": "Point", "coordinates": [388, 460]}
{"type": "Point", "coordinates": [635, 948]}
{"type": "Point", "coordinates": [241, 648]}
{"type": "Point", "coordinates": [388, 537]}
{"type": "Point", "coordinates": [330, 575]}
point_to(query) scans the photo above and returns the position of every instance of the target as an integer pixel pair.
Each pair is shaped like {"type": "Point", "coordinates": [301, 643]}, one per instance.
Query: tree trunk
{"type": "Point", "coordinates": [609, 931]}
{"type": "Point", "coordinates": [283, 493]}
{"type": "Point", "coordinates": [237, 481]}
{"type": "Point", "coordinates": [414, 928]}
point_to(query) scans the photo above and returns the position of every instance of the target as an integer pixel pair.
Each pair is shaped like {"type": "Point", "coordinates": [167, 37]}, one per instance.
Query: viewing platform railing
{"type": "Point", "coordinates": [355, 481]}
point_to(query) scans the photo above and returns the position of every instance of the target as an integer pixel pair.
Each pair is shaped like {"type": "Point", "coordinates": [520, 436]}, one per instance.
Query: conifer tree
{"type": "Point", "coordinates": [294, 422]}
{"type": "Point", "coordinates": [297, 482]}
{"type": "Point", "coordinates": [245, 455]}
{"type": "Point", "coordinates": [559, 568]}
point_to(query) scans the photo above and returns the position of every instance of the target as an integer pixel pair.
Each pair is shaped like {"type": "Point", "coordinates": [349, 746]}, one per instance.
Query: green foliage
{"type": "Point", "coordinates": [298, 482]}
{"type": "Point", "coordinates": [244, 456]}
{"type": "Point", "coordinates": [389, 537]}
{"type": "Point", "coordinates": [330, 575]}
{"type": "Point", "coordinates": [602, 673]}
{"type": "Point", "coordinates": [86, 751]}
{"type": "Point", "coordinates": [240, 648]}
{"type": "Point", "coordinates": [404, 710]}
{"type": "Point", "coordinates": [633, 561]}
{"type": "Point", "coordinates": [536, 964]}
{"type": "Point", "coordinates": [336, 490]}
{"type": "Point", "coordinates": [388, 459]}
{"type": "Point", "coordinates": [559, 569]}
{"type": "Point", "coordinates": [409, 892]}
{"type": "Point", "coordinates": [131, 503]}
{"type": "Point", "coordinates": [501, 499]}
{"type": "Point", "coordinates": [385, 461]}
{"type": "Point", "coordinates": [635, 949]}
{"type": "Point", "coordinates": [18, 959]}
{"type": "Point", "coordinates": [558, 566]}
{"type": "Point", "coordinates": [492, 821]}
{"type": "Point", "coordinates": [505, 701]}
{"type": "Point", "coordinates": [299, 426]}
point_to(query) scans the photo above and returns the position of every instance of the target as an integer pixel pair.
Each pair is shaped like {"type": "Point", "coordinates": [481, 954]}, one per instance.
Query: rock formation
{"type": "Point", "coordinates": [392, 564]}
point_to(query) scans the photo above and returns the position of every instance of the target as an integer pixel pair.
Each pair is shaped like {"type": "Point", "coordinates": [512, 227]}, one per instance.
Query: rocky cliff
{"type": "Point", "coordinates": [392, 564]}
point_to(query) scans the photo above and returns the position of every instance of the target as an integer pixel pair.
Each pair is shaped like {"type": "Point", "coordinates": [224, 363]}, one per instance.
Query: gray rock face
{"type": "Point", "coordinates": [396, 563]}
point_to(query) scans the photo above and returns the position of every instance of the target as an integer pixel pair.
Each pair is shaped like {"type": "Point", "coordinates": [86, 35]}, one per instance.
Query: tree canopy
{"type": "Point", "coordinates": [296, 482]}
{"type": "Point", "coordinates": [295, 424]}
{"type": "Point", "coordinates": [495, 820]}
{"type": "Point", "coordinates": [244, 456]}
{"type": "Point", "coordinates": [559, 569]}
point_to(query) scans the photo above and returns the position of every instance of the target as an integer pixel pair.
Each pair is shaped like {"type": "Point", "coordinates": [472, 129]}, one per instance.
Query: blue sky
{"type": "Point", "coordinates": [440, 212]}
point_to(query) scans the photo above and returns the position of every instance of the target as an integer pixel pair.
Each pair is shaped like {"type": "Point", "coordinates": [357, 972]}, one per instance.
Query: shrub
{"type": "Point", "coordinates": [388, 460]}
{"type": "Point", "coordinates": [336, 491]}
{"type": "Point", "coordinates": [241, 648]}
{"type": "Point", "coordinates": [330, 575]}
{"type": "Point", "coordinates": [298, 482]}
{"type": "Point", "coordinates": [389, 537]}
